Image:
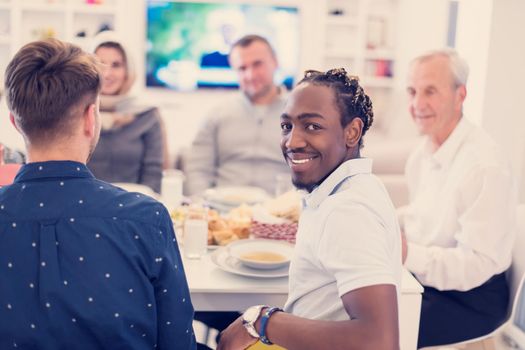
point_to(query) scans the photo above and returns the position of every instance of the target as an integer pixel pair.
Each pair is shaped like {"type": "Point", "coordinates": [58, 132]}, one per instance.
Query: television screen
{"type": "Point", "coordinates": [188, 42]}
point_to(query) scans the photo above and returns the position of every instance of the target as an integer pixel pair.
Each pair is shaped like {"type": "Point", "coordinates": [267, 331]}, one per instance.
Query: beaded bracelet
{"type": "Point", "coordinates": [264, 323]}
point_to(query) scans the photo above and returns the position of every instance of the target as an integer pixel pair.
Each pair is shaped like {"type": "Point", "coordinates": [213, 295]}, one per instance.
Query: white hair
{"type": "Point", "coordinates": [458, 66]}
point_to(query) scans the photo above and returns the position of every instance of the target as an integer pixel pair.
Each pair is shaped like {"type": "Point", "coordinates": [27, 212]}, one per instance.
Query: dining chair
{"type": "Point", "coordinates": [8, 173]}
{"type": "Point", "coordinates": [515, 277]}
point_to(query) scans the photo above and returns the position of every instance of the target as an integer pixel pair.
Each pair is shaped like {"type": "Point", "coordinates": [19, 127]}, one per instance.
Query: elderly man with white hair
{"type": "Point", "coordinates": [459, 225]}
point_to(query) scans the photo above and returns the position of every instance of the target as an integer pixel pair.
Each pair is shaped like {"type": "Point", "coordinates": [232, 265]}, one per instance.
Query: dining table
{"type": "Point", "coordinates": [214, 289]}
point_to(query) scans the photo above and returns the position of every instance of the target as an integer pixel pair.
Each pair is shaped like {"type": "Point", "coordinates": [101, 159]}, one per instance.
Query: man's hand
{"type": "Point", "coordinates": [404, 247]}
{"type": "Point", "coordinates": [235, 337]}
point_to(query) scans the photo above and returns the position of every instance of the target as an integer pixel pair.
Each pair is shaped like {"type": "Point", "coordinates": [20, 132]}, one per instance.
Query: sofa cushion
{"type": "Point", "coordinates": [389, 155]}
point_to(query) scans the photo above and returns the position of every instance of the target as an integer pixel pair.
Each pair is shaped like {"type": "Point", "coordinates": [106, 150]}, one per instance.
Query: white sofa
{"type": "Point", "coordinates": [390, 156]}
{"type": "Point", "coordinates": [389, 143]}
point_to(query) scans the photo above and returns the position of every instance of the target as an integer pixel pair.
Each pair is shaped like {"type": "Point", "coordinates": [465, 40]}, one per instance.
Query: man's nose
{"type": "Point", "coordinates": [295, 139]}
{"type": "Point", "coordinates": [419, 102]}
{"type": "Point", "coordinates": [248, 73]}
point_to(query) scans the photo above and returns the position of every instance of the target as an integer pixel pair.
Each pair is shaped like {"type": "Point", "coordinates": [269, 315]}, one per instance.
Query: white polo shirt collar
{"type": "Point", "coordinates": [331, 184]}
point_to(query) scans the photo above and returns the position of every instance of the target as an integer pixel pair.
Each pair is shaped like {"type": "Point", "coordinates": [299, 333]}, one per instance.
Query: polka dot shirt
{"type": "Point", "coordinates": [83, 266]}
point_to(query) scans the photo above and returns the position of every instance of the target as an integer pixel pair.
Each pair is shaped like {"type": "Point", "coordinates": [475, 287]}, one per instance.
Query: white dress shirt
{"type": "Point", "coordinates": [348, 238]}
{"type": "Point", "coordinates": [461, 218]}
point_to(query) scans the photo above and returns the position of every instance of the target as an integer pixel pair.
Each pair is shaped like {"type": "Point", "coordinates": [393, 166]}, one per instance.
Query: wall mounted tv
{"type": "Point", "coordinates": [188, 41]}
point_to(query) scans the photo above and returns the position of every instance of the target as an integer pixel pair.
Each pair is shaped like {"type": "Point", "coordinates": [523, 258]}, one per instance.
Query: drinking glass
{"type": "Point", "coordinates": [196, 232]}
{"type": "Point", "coordinates": [171, 188]}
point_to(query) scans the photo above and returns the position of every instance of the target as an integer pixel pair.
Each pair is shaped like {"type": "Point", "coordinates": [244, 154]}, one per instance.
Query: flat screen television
{"type": "Point", "coordinates": [188, 41]}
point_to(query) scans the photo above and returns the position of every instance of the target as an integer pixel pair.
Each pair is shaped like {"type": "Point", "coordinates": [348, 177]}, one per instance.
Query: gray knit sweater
{"type": "Point", "coordinates": [131, 153]}
{"type": "Point", "coordinates": [238, 145]}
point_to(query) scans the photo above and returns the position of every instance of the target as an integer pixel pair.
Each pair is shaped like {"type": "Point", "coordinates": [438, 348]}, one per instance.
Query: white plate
{"type": "Point", "coordinates": [235, 195]}
{"type": "Point", "coordinates": [222, 258]}
{"type": "Point", "coordinates": [242, 249]}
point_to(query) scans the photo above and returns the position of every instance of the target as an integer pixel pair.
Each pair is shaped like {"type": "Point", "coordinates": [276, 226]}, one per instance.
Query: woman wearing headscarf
{"type": "Point", "coordinates": [131, 146]}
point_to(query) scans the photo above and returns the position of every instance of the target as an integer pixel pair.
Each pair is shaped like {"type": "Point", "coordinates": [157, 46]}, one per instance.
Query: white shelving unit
{"type": "Point", "coordinates": [22, 21]}
{"type": "Point", "coordinates": [360, 36]}
{"type": "Point", "coordinates": [5, 34]}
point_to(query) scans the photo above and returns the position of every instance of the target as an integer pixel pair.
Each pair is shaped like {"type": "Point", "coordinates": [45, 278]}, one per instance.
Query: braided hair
{"type": "Point", "coordinates": [351, 99]}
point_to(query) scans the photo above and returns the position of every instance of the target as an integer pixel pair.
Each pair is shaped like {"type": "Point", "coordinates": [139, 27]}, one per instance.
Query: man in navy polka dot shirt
{"type": "Point", "coordinates": [83, 264]}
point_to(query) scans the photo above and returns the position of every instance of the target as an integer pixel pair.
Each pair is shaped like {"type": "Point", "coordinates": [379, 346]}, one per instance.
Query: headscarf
{"type": "Point", "coordinates": [120, 109]}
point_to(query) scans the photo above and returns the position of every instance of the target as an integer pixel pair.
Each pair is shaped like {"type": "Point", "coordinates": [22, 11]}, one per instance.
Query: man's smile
{"type": "Point", "coordinates": [299, 161]}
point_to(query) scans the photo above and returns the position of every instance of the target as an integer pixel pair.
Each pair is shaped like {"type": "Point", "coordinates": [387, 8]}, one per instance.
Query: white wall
{"type": "Point", "coordinates": [421, 26]}
{"type": "Point", "coordinates": [472, 42]}
{"type": "Point", "coordinates": [489, 37]}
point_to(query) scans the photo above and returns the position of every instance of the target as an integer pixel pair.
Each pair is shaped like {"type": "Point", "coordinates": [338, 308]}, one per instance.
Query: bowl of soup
{"type": "Point", "coordinates": [262, 253]}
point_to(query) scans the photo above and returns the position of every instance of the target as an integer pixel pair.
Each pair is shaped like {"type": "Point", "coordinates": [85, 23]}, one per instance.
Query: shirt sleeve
{"type": "Point", "coordinates": [151, 167]}
{"type": "Point", "coordinates": [201, 163]}
{"type": "Point", "coordinates": [172, 296]}
{"type": "Point", "coordinates": [484, 239]}
{"type": "Point", "coordinates": [357, 249]}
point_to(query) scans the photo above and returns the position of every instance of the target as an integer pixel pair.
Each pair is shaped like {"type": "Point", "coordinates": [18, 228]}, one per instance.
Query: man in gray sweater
{"type": "Point", "coordinates": [239, 143]}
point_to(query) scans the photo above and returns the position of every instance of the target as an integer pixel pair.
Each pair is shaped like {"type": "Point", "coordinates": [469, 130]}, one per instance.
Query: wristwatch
{"type": "Point", "coordinates": [264, 324]}
{"type": "Point", "coordinates": [249, 317]}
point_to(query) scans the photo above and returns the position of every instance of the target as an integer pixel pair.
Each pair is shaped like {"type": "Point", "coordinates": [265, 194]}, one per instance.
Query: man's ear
{"type": "Point", "coordinates": [275, 61]}
{"type": "Point", "coordinates": [462, 93]}
{"type": "Point", "coordinates": [12, 119]}
{"type": "Point", "coordinates": [353, 131]}
{"type": "Point", "coordinates": [90, 120]}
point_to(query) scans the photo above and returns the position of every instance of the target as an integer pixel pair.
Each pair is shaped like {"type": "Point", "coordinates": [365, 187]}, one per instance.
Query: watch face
{"type": "Point", "coordinates": [252, 313]}
{"type": "Point", "coordinates": [249, 317]}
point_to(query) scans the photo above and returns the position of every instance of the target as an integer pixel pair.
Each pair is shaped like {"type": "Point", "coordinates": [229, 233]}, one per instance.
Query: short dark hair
{"type": "Point", "coordinates": [48, 83]}
{"type": "Point", "coordinates": [249, 39]}
{"type": "Point", "coordinates": [351, 99]}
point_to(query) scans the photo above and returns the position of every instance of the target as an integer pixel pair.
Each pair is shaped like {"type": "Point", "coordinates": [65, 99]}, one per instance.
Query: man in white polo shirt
{"type": "Point", "coordinates": [460, 221]}
{"type": "Point", "coordinates": [346, 269]}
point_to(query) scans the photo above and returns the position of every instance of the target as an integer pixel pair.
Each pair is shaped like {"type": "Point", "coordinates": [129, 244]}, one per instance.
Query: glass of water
{"type": "Point", "coordinates": [196, 232]}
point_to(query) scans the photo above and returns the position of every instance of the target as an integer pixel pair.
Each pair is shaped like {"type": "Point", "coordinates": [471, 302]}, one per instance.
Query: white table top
{"type": "Point", "coordinates": [212, 289]}
{"type": "Point", "coordinates": [205, 277]}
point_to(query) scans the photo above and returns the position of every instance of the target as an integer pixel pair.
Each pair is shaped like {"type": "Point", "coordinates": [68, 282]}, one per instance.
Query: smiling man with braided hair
{"type": "Point", "coordinates": [346, 269]}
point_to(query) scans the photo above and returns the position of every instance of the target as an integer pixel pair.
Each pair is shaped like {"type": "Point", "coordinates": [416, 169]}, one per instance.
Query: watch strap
{"type": "Point", "coordinates": [264, 324]}
{"type": "Point", "coordinates": [250, 324]}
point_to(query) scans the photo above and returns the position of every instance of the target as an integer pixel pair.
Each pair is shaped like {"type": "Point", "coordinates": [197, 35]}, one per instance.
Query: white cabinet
{"type": "Point", "coordinates": [360, 36]}
{"type": "Point", "coordinates": [22, 21]}
{"type": "Point", "coordinates": [5, 35]}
